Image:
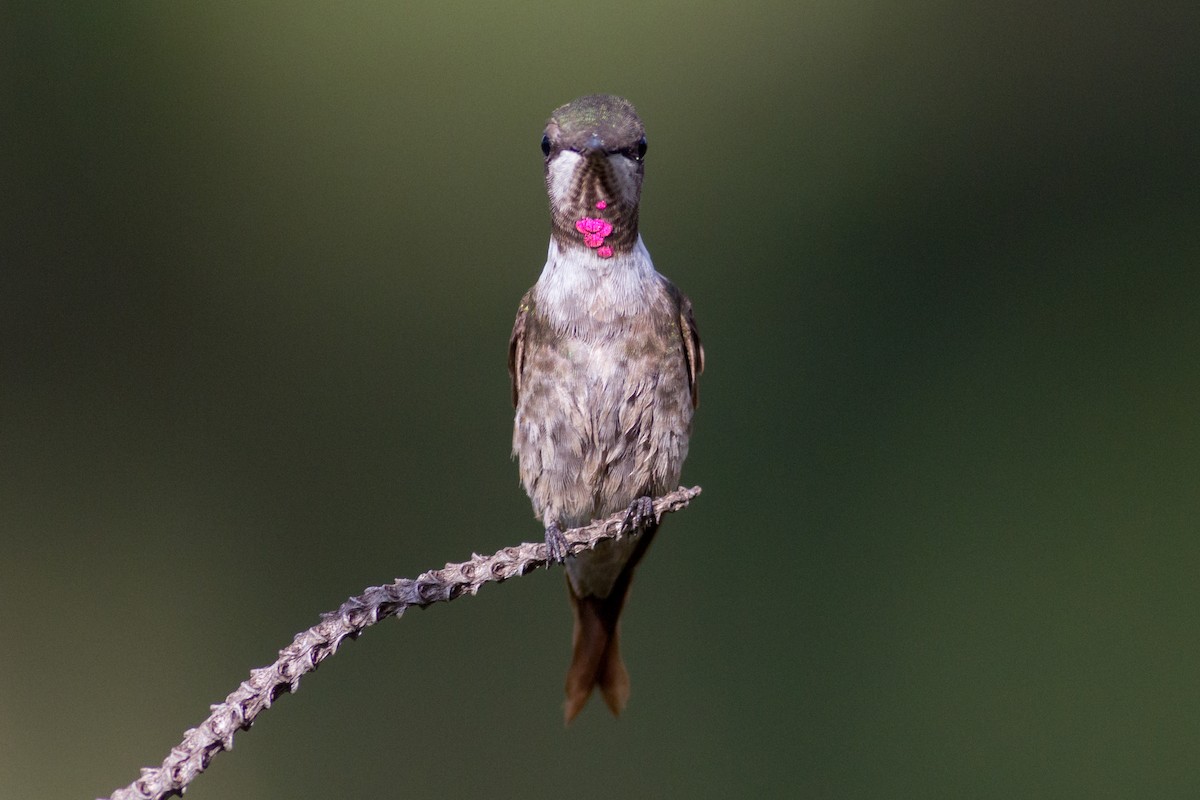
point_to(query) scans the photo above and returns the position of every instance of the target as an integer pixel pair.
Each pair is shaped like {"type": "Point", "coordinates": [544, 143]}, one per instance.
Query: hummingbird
{"type": "Point", "coordinates": [604, 358]}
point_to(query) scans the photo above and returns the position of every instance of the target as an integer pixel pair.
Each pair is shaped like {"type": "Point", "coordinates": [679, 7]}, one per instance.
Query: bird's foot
{"type": "Point", "coordinates": [641, 516]}
{"type": "Point", "coordinates": [556, 544]}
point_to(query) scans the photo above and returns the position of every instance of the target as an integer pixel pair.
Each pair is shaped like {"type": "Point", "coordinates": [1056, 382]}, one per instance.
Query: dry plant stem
{"type": "Point", "coordinates": [189, 758]}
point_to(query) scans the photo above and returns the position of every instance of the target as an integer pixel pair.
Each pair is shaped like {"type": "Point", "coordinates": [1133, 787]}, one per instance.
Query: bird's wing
{"type": "Point", "coordinates": [693, 350]}
{"type": "Point", "coordinates": [516, 345]}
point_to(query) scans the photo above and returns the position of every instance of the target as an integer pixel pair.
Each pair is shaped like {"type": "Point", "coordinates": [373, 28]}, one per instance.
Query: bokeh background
{"type": "Point", "coordinates": [259, 265]}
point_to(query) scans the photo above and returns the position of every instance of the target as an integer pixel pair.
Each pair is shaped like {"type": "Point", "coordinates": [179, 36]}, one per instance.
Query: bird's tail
{"type": "Point", "coordinates": [596, 652]}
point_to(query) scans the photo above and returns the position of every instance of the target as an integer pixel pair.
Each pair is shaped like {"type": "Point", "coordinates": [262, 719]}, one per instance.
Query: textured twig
{"type": "Point", "coordinates": [189, 758]}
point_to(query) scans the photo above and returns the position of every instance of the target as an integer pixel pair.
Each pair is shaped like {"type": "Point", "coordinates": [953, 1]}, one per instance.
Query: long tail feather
{"type": "Point", "coordinates": [595, 644]}
{"type": "Point", "coordinates": [596, 655]}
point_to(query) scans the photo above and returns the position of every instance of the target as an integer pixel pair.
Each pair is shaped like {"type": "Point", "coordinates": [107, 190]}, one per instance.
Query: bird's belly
{"type": "Point", "coordinates": [599, 425]}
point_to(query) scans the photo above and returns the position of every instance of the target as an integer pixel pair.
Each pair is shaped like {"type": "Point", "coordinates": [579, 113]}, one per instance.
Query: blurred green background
{"type": "Point", "coordinates": [258, 267]}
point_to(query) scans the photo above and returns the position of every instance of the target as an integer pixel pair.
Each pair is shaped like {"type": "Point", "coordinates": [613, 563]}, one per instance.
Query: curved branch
{"type": "Point", "coordinates": [309, 648]}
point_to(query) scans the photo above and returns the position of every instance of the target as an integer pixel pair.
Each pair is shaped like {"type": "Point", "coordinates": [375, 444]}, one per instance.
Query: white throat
{"type": "Point", "coordinates": [577, 286]}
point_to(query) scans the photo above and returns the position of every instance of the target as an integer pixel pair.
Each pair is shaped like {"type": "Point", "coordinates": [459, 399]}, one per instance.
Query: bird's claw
{"type": "Point", "coordinates": [641, 515]}
{"type": "Point", "coordinates": [556, 545]}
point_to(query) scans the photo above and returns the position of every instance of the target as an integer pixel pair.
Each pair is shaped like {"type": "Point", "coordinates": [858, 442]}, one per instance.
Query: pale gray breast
{"type": "Point", "coordinates": [602, 418]}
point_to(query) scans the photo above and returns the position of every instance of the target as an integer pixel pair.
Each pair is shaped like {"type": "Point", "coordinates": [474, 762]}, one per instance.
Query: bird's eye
{"type": "Point", "coordinates": [546, 146]}
{"type": "Point", "coordinates": [641, 148]}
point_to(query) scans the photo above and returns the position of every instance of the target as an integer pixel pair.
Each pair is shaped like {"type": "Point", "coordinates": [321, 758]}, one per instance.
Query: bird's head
{"type": "Point", "coordinates": [595, 148]}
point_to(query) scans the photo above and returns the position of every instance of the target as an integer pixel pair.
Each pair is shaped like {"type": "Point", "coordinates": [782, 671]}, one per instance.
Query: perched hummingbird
{"type": "Point", "coordinates": [604, 358]}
